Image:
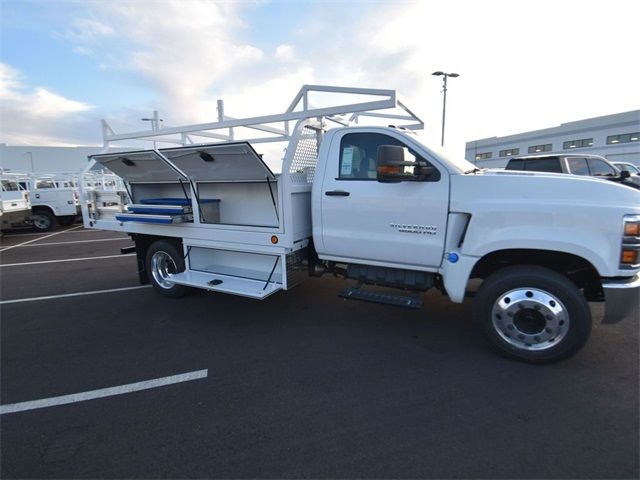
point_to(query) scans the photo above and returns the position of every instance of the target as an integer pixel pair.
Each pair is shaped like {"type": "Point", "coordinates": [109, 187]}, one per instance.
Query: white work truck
{"type": "Point", "coordinates": [52, 204]}
{"type": "Point", "coordinates": [15, 207]}
{"type": "Point", "coordinates": [376, 205]}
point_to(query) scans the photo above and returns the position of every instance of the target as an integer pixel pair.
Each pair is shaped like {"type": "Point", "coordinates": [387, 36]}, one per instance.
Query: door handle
{"type": "Point", "coordinates": [337, 193]}
{"type": "Point", "coordinates": [37, 195]}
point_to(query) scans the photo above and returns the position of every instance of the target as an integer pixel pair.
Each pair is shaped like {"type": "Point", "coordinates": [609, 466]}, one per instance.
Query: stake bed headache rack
{"type": "Point", "coordinates": [243, 228]}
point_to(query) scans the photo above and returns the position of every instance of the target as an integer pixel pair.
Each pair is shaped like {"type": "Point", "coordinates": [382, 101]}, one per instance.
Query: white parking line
{"type": "Point", "coordinates": [77, 241]}
{"type": "Point", "coordinates": [103, 392]}
{"type": "Point", "coordinates": [36, 239]}
{"type": "Point", "coordinates": [77, 294]}
{"type": "Point", "coordinates": [65, 260]}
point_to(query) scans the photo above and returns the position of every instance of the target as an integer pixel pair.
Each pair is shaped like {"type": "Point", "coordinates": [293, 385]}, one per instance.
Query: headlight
{"type": "Point", "coordinates": [630, 254]}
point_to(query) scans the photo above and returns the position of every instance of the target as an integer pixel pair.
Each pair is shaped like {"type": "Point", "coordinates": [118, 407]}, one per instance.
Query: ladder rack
{"type": "Point", "coordinates": [384, 104]}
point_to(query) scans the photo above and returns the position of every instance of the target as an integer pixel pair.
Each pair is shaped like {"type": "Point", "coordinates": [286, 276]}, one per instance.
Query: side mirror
{"type": "Point", "coordinates": [624, 174]}
{"type": "Point", "coordinates": [391, 166]}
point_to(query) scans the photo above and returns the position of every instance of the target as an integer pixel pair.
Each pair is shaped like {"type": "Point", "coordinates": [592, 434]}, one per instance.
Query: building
{"type": "Point", "coordinates": [45, 159]}
{"type": "Point", "coordinates": [615, 137]}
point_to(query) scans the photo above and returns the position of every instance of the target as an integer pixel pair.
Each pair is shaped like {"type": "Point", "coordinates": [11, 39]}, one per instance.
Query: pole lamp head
{"type": "Point", "coordinates": [454, 75]}
{"type": "Point", "coordinates": [438, 73]}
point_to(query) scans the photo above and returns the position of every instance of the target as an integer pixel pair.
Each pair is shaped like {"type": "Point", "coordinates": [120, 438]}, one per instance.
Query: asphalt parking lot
{"type": "Point", "coordinates": [303, 384]}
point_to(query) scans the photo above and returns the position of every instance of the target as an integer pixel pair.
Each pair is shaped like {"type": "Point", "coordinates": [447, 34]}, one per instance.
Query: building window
{"type": "Point", "coordinates": [483, 156]}
{"type": "Point", "coordinates": [509, 153]}
{"type": "Point", "coordinates": [585, 142]}
{"type": "Point", "coordinates": [623, 138]}
{"type": "Point", "coordinates": [540, 148]}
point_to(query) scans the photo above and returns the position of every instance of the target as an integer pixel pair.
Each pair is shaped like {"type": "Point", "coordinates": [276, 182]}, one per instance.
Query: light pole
{"type": "Point", "coordinates": [444, 97]}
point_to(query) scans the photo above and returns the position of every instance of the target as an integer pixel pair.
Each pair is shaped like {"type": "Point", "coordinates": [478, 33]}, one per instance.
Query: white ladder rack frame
{"type": "Point", "coordinates": [224, 129]}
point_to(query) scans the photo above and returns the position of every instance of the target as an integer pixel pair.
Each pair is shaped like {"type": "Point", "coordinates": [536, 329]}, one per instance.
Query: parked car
{"type": "Point", "coordinates": [575, 164]}
{"type": "Point", "coordinates": [630, 167]}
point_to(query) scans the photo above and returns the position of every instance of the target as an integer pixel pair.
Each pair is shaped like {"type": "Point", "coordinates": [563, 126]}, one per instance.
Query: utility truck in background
{"type": "Point", "coordinates": [15, 207]}
{"type": "Point", "coordinates": [53, 203]}
{"type": "Point", "coordinates": [374, 204]}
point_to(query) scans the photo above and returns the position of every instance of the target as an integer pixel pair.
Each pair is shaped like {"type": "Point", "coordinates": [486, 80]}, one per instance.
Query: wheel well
{"type": "Point", "coordinates": [41, 208]}
{"type": "Point", "coordinates": [143, 242]}
{"type": "Point", "coordinates": [581, 272]}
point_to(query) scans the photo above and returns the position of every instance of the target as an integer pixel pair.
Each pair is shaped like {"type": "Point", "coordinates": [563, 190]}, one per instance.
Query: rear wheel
{"type": "Point", "coordinates": [43, 220]}
{"type": "Point", "coordinates": [533, 314]}
{"type": "Point", "coordinates": [164, 259]}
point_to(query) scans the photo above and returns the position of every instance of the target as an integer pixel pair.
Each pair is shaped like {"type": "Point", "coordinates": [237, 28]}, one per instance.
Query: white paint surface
{"type": "Point", "coordinates": [36, 239]}
{"type": "Point", "coordinates": [103, 392]}
{"type": "Point", "coordinates": [77, 294]}
{"type": "Point", "coordinates": [66, 260]}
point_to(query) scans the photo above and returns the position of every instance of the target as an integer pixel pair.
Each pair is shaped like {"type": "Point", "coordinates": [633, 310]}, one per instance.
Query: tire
{"type": "Point", "coordinates": [163, 258]}
{"type": "Point", "coordinates": [533, 314]}
{"type": "Point", "coordinates": [43, 220]}
{"type": "Point", "coordinates": [67, 220]}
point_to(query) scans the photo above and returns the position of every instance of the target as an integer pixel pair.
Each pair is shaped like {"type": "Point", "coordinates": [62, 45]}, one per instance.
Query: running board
{"type": "Point", "coordinates": [214, 282]}
{"type": "Point", "coordinates": [406, 301]}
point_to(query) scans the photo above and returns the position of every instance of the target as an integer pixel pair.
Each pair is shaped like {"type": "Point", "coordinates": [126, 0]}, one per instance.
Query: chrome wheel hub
{"type": "Point", "coordinates": [530, 319]}
{"type": "Point", "coordinates": [41, 222]}
{"type": "Point", "coordinates": [162, 266]}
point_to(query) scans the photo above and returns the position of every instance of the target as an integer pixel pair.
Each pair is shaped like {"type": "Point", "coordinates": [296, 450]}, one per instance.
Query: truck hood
{"type": "Point", "coordinates": [580, 190]}
{"type": "Point", "coordinates": [524, 210]}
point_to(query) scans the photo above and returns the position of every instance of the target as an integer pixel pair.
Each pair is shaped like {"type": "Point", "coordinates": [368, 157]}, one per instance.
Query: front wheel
{"type": "Point", "coordinates": [163, 259]}
{"type": "Point", "coordinates": [533, 314]}
{"type": "Point", "coordinates": [43, 220]}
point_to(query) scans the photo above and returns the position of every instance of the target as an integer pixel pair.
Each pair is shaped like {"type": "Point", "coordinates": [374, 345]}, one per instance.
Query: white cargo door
{"type": "Point", "coordinates": [140, 167]}
{"type": "Point", "coordinates": [235, 162]}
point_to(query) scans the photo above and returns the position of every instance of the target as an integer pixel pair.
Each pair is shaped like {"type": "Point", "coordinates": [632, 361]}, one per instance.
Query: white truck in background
{"type": "Point", "coordinates": [376, 205]}
{"type": "Point", "coordinates": [51, 204]}
{"type": "Point", "coordinates": [15, 207]}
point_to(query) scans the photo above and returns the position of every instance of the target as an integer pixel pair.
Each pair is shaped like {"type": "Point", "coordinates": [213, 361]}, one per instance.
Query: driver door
{"type": "Point", "coordinates": [391, 224]}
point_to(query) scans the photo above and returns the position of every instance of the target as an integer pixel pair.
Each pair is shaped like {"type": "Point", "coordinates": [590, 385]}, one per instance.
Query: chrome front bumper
{"type": "Point", "coordinates": [622, 299]}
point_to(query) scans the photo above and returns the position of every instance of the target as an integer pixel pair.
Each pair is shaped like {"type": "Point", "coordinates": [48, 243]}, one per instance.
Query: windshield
{"type": "Point", "coordinates": [627, 166]}
{"type": "Point", "coordinates": [460, 164]}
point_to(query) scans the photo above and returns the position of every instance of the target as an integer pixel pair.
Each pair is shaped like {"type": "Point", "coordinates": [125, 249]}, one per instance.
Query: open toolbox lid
{"type": "Point", "coordinates": [226, 162]}
{"type": "Point", "coordinates": [140, 167]}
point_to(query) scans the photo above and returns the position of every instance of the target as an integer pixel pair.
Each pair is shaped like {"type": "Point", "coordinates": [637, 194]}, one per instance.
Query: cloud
{"type": "Point", "coordinates": [37, 116]}
{"type": "Point", "coordinates": [523, 65]}
{"type": "Point", "coordinates": [286, 53]}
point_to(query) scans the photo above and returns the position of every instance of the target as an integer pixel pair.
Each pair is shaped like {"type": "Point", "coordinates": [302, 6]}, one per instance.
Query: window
{"type": "Point", "coordinates": [359, 153]}
{"type": "Point", "coordinates": [509, 153]}
{"type": "Point", "coordinates": [45, 184]}
{"type": "Point", "coordinates": [585, 142]}
{"type": "Point", "coordinates": [551, 164]}
{"type": "Point", "coordinates": [540, 148]}
{"type": "Point", "coordinates": [600, 168]}
{"type": "Point", "coordinates": [483, 156]}
{"type": "Point", "coordinates": [623, 138]}
{"type": "Point", "coordinates": [578, 166]}
{"type": "Point", "coordinates": [9, 186]}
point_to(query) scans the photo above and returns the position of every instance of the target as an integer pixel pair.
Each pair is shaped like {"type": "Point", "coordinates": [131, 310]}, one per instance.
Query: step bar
{"type": "Point", "coordinates": [245, 287]}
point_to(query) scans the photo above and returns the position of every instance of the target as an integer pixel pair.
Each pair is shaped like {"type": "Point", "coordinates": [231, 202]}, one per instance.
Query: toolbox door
{"type": "Point", "coordinates": [229, 162]}
{"type": "Point", "coordinates": [140, 167]}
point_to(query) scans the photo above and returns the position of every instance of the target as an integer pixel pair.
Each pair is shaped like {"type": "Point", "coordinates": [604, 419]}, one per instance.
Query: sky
{"type": "Point", "coordinates": [523, 65]}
